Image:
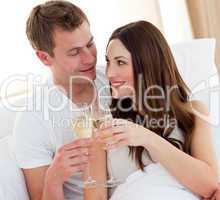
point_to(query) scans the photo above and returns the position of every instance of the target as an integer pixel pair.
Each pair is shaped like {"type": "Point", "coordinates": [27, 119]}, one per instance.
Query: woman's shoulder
{"type": "Point", "coordinates": [195, 106]}
{"type": "Point", "coordinates": [199, 109]}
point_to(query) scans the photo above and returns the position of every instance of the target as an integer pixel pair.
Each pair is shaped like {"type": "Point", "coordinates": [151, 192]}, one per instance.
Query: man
{"type": "Point", "coordinates": [51, 157]}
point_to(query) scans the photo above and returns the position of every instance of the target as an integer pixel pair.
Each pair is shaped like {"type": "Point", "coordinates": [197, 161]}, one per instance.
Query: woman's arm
{"type": "Point", "coordinates": [98, 172]}
{"type": "Point", "coordinates": [198, 172]}
{"type": "Point", "coordinates": [215, 196]}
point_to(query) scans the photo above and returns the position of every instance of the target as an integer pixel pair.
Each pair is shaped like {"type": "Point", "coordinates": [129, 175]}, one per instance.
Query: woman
{"type": "Point", "coordinates": [155, 120]}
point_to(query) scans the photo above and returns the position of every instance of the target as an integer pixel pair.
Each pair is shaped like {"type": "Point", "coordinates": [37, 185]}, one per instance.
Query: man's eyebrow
{"type": "Point", "coordinates": [91, 40]}
{"type": "Point", "coordinates": [77, 48]}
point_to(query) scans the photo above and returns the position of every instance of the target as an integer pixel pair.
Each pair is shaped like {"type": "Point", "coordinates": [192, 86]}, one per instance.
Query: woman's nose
{"type": "Point", "coordinates": [110, 71]}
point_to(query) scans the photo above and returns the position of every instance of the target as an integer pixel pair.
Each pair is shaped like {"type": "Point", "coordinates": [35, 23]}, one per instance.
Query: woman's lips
{"type": "Point", "coordinates": [117, 83]}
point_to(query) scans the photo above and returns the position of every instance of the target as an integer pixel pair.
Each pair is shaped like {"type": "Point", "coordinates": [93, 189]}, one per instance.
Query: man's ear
{"type": "Point", "coordinates": [44, 57]}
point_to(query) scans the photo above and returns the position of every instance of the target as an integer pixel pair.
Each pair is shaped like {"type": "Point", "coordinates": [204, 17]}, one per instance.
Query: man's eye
{"type": "Point", "coordinates": [74, 53]}
{"type": "Point", "coordinates": [90, 44]}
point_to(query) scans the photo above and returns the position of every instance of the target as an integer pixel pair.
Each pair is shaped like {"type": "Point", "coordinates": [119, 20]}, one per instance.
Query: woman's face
{"type": "Point", "coordinates": [119, 69]}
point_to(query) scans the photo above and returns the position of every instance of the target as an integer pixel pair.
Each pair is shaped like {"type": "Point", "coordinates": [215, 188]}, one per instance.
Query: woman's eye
{"type": "Point", "coordinates": [107, 61]}
{"type": "Point", "coordinates": [120, 62]}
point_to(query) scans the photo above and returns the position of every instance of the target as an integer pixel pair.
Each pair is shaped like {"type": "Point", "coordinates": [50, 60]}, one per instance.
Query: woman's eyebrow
{"type": "Point", "coordinates": [119, 57]}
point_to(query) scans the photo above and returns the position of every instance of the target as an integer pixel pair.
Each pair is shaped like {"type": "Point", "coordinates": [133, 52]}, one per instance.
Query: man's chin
{"type": "Point", "coordinates": [91, 75]}
{"type": "Point", "coordinates": [83, 78]}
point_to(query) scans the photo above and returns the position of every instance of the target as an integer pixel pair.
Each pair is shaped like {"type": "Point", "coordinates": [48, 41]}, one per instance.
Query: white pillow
{"type": "Point", "coordinates": [154, 183]}
{"type": "Point", "coordinates": [12, 183]}
{"type": "Point", "coordinates": [7, 115]}
{"type": "Point", "coordinates": [196, 62]}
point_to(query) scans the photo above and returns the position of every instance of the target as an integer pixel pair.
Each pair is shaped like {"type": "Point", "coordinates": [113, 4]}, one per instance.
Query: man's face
{"type": "Point", "coordinates": [74, 55]}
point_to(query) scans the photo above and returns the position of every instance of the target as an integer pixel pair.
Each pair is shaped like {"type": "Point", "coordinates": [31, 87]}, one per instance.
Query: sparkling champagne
{"type": "Point", "coordinates": [82, 127]}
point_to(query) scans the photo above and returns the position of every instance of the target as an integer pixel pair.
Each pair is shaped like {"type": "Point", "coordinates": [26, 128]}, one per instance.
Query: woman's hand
{"type": "Point", "coordinates": [120, 132]}
{"type": "Point", "coordinates": [216, 195]}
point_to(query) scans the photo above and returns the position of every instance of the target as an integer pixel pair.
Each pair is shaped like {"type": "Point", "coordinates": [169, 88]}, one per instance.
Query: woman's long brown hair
{"type": "Point", "coordinates": [152, 59]}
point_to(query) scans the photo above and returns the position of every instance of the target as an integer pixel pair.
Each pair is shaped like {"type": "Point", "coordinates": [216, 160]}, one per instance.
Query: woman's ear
{"type": "Point", "coordinates": [44, 57]}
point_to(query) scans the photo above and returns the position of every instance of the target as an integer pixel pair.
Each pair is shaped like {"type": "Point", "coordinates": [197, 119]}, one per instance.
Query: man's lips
{"type": "Point", "coordinates": [87, 69]}
{"type": "Point", "coordinates": [117, 83]}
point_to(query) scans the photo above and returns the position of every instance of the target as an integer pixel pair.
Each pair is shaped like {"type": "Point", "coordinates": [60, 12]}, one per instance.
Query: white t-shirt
{"type": "Point", "coordinates": [43, 128]}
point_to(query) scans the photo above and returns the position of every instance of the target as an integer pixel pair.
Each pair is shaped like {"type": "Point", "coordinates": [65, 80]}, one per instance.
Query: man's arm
{"type": "Point", "coordinates": [38, 187]}
{"type": "Point", "coordinates": [46, 183]}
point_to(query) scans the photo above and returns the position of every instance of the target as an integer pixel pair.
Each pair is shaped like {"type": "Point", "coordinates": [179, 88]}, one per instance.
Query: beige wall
{"type": "Point", "coordinates": [176, 22]}
{"type": "Point", "coordinates": [114, 13]}
{"type": "Point", "coordinates": [141, 9]}
{"type": "Point", "coordinates": [205, 19]}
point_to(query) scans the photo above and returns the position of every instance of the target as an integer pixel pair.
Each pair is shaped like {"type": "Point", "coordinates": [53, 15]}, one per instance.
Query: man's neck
{"type": "Point", "coordinates": [78, 92]}
{"type": "Point", "coordinates": [82, 93]}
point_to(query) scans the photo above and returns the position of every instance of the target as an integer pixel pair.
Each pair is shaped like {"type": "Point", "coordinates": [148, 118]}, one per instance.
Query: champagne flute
{"type": "Point", "coordinates": [82, 127]}
{"type": "Point", "coordinates": [103, 116]}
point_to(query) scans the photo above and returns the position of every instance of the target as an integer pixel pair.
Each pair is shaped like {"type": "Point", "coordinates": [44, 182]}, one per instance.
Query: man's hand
{"type": "Point", "coordinates": [69, 159]}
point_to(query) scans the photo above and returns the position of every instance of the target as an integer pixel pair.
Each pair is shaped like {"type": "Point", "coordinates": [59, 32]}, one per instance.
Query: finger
{"type": "Point", "coordinates": [119, 137]}
{"type": "Point", "coordinates": [117, 145]}
{"type": "Point", "coordinates": [214, 197]}
{"type": "Point", "coordinates": [78, 168]}
{"type": "Point", "coordinates": [113, 122]}
{"type": "Point", "coordinates": [106, 124]}
{"type": "Point", "coordinates": [113, 139]}
{"type": "Point", "coordinates": [95, 132]}
{"type": "Point", "coordinates": [218, 195]}
{"type": "Point", "coordinates": [86, 142]}
{"type": "Point", "coordinates": [77, 152]}
{"type": "Point", "coordinates": [111, 131]}
{"type": "Point", "coordinates": [77, 160]}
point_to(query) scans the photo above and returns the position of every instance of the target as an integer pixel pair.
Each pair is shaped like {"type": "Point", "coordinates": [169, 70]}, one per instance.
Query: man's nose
{"type": "Point", "coordinates": [87, 56]}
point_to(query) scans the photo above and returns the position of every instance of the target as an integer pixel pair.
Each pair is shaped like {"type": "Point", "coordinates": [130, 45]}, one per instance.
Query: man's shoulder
{"type": "Point", "coordinates": [29, 119]}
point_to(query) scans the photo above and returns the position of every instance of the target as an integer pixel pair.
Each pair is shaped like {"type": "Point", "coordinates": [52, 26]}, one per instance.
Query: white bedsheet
{"type": "Point", "coordinates": [155, 183]}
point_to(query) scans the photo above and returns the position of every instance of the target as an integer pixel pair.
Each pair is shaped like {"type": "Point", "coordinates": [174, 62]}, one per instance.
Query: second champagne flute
{"type": "Point", "coordinates": [101, 116]}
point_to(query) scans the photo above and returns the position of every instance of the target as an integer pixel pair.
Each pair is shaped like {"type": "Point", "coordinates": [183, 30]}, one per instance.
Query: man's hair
{"type": "Point", "coordinates": [45, 17]}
